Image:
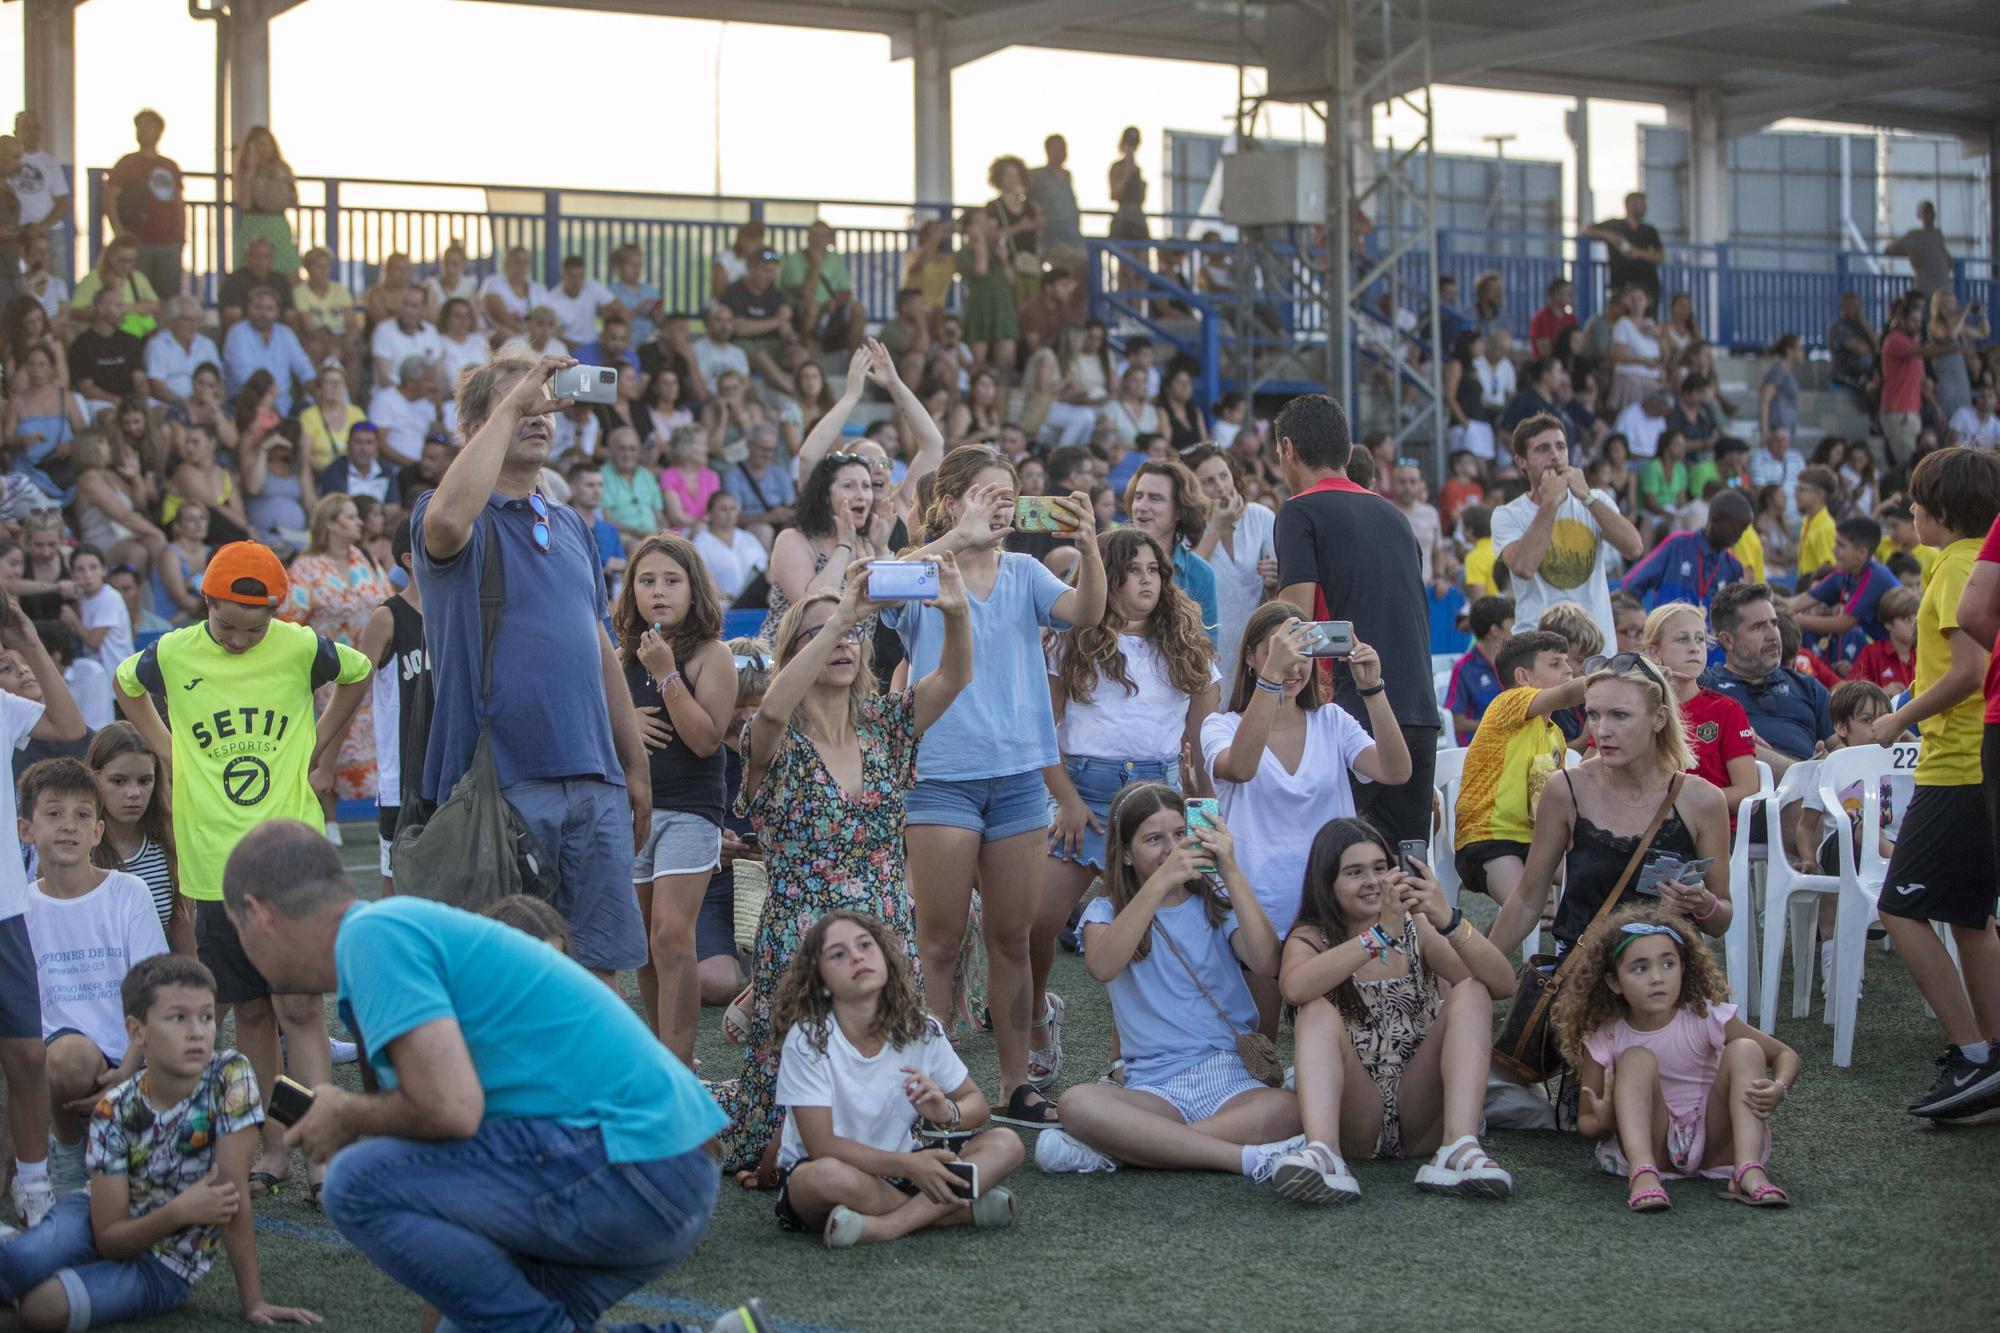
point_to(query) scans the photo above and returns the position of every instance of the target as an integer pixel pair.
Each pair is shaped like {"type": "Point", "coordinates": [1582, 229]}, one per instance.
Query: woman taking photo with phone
{"type": "Point", "coordinates": [980, 808]}
{"type": "Point", "coordinates": [1130, 693]}
{"type": "Point", "coordinates": [1280, 757]}
{"type": "Point", "coordinates": [828, 766]}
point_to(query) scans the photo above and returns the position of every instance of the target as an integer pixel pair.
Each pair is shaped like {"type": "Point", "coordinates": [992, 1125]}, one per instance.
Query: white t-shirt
{"type": "Point", "coordinates": [1641, 429]}
{"type": "Point", "coordinates": [712, 358]}
{"type": "Point", "coordinates": [1627, 334]}
{"type": "Point", "coordinates": [864, 1093]}
{"type": "Point", "coordinates": [90, 685]}
{"type": "Point", "coordinates": [106, 607]}
{"type": "Point", "coordinates": [514, 304]}
{"type": "Point", "coordinates": [403, 422]}
{"type": "Point", "coordinates": [467, 290]}
{"type": "Point", "coordinates": [18, 718]}
{"type": "Point", "coordinates": [83, 949]}
{"type": "Point", "coordinates": [733, 565]}
{"type": "Point", "coordinates": [1239, 588]}
{"type": "Point", "coordinates": [1148, 725]}
{"type": "Point", "coordinates": [389, 343]}
{"type": "Point", "coordinates": [1967, 429]}
{"type": "Point", "coordinates": [577, 315]}
{"type": "Point", "coordinates": [37, 183]}
{"type": "Point", "coordinates": [1575, 568]}
{"type": "Point", "coordinates": [1496, 382]}
{"type": "Point", "coordinates": [1275, 815]}
{"type": "Point", "coordinates": [455, 354]}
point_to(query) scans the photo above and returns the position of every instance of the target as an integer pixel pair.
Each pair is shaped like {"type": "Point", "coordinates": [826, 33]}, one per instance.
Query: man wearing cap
{"type": "Point", "coordinates": [763, 316]}
{"type": "Point", "coordinates": [239, 687]}
{"type": "Point", "coordinates": [564, 737]}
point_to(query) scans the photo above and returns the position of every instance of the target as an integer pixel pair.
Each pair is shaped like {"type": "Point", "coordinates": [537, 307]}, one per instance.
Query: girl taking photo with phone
{"type": "Point", "coordinates": [827, 767]}
{"type": "Point", "coordinates": [1394, 995]}
{"type": "Point", "coordinates": [1172, 939]}
{"type": "Point", "coordinates": [1130, 693]}
{"type": "Point", "coordinates": [1281, 756]}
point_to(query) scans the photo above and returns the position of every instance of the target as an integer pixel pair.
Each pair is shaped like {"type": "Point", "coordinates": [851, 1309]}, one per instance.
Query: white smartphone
{"type": "Point", "coordinates": [586, 384]}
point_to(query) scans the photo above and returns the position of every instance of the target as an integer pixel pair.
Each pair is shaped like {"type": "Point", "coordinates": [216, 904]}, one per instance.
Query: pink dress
{"type": "Point", "coordinates": [694, 503]}
{"type": "Point", "coordinates": [335, 601]}
{"type": "Point", "coordinates": [1689, 1051]}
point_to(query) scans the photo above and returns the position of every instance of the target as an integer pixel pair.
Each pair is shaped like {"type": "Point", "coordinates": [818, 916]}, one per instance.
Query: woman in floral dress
{"type": "Point", "coordinates": [829, 763]}
{"type": "Point", "coordinates": [335, 587]}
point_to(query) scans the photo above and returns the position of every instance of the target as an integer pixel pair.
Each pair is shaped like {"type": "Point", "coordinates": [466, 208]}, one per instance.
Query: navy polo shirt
{"type": "Point", "coordinates": [1786, 709]}
{"type": "Point", "coordinates": [548, 701]}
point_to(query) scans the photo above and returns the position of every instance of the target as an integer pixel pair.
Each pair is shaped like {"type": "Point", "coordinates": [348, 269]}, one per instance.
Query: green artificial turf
{"type": "Point", "coordinates": [1894, 1225]}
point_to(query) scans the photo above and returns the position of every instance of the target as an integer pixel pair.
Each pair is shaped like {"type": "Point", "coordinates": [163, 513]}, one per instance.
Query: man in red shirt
{"type": "Point", "coordinates": [1555, 316]}
{"type": "Point", "coordinates": [1903, 377]}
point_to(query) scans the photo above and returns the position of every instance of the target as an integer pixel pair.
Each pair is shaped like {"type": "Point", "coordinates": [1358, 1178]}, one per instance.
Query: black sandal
{"type": "Point", "coordinates": [1028, 1109]}
{"type": "Point", "coordinates": [264, 1185]}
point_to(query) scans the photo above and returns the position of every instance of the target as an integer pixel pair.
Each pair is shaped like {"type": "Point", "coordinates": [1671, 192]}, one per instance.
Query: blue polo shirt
{"type": "Point", "coordinates": [1683, 568]}
{"type": "Point", "coordinates": [592, 354]}
{"type": "Point", "coordinates": [1197, 579]}
{"type": "Point", "coordinates": [1787, 710]}
{"type": "Point", "coordinates": [1858, 594]}
{"type": "Point", "coordinates": [1474, 685]}
{"type": "Point", "coordinates": [548, 702]}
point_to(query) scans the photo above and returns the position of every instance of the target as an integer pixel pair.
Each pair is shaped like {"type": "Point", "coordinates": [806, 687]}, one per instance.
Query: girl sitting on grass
{"type": "Point", "coordinates": [1669, 1074]}
{"type": "Point", "coordinates": [1395, 994]}
{"type": "Point", "coordinates": [1172, 949]}
{"type": "Point", "coordinates": [862, 1064]}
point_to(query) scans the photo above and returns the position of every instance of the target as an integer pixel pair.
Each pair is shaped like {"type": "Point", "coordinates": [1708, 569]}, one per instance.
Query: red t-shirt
{"type": "Point", "coordinates": [1548, 324]}
{"type": "Point", "coordinates": [1812, 664]}
{"type": "Point", "coordinates": [1719, 730]}
{"type": "Point", "coordinates": [1878, 662]}
{"type": "Point", "coordinates": [1902, 374]}
{"type": "Point", "coordinates": [1990, 553]}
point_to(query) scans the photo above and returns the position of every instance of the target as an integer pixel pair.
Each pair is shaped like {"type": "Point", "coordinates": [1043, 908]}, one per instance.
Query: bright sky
{"type": "Point", "coordinates": [404, 89]}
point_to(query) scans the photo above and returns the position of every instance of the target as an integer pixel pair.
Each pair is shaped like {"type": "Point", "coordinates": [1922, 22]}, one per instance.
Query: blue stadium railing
{"type": "Point", "coordinates": [1745, 293]}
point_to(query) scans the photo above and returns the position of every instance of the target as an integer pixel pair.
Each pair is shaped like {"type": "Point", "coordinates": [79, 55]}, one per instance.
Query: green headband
{"type": "Point", "coordinates": [1639, 929]}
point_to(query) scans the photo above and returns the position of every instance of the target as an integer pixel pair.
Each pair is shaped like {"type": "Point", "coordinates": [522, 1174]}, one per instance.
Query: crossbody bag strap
{"type": "Point", "coordinates": [1610, 903]}
{"type": "Point", "coordinates": [1182, 960]}
{"type": "Point", "coordinates": [492, 596]}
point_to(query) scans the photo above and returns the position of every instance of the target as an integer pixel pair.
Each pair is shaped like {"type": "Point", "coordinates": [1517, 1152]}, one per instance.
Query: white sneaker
{"type": "Point", "coordinates": [343, 1052]}
{"type": "Point", "coordinates": [333, 834]}
{"type": "Point", "coordinates": [1060, 1153]}
{"type": "Point", "coordinates": [33, 1199]}
{"type": "Point", "coordinates": [1314, 1174]}
{"type": "Point", "coordinates": [1268, 1155]}
{"type": "Point", "coordinates": [1475, 1175]}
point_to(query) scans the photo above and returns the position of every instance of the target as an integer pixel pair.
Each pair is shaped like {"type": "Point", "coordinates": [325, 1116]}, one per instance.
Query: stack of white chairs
{"type": "Point", "coordinates": [1746, 878]}
{"type": "Point", "coordinates": [1863, 869]}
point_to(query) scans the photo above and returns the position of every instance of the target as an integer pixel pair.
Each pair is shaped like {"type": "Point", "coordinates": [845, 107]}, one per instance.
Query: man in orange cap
{"type": "Point", "coordinates": [239, 689]}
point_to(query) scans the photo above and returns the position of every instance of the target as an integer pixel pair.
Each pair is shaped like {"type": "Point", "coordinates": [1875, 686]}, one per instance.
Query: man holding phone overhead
{"type": "Point", "coordinates": [1346, 553]}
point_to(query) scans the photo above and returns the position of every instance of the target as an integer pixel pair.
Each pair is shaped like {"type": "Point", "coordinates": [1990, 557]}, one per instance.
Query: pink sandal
{"type": "Point", "coordinates": [1766, 1195]}
{"type": "Point", "coordinates": [1654, 1200]}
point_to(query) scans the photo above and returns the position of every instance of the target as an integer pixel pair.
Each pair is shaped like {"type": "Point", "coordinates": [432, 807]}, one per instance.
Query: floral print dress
{"type": "Point", "coordinates": [825, 850]}
{"type": "Point", "coordinates": [335, 601]}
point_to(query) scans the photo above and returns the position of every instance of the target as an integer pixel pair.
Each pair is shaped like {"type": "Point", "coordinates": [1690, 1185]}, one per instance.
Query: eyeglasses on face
{"type": "Point", "coordinates": [805, 636]}
{"type": "Point", "coordinates": [751, 662]}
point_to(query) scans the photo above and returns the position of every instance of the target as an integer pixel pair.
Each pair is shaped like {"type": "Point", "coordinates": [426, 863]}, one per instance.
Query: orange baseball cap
{"type": "Point", "coordinates": [247, 573]}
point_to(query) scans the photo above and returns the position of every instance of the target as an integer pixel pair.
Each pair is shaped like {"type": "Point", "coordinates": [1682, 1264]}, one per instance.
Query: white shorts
{"type": "Point", "coordinates": [1199, 1092]}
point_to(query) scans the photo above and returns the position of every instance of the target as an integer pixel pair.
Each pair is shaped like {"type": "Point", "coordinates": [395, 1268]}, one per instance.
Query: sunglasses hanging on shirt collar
{"type": "Point", "coordinates": [540, 508]}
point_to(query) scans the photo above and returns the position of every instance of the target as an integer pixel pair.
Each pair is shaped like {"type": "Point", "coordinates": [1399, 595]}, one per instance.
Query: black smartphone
{"type": "Point", "coordinates": [290, 1100]}
{"type": "Point", "coordinates": [968, 1174]}
{"type": "Point", "coordinates": [1412, 849]}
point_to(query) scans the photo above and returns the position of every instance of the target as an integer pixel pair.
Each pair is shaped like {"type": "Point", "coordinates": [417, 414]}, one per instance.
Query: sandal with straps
{"type": "Point", "coordinates": [1462, 1167]}
{"type": "Point", "coordinates": [1654, 1200]}
{"type": "Point", "coordinates": [1046, 1062]}
{"type": "Point", "coordinates": [1766, 1195]}
{"type": "Point", "coordinates": [1028, 1109]}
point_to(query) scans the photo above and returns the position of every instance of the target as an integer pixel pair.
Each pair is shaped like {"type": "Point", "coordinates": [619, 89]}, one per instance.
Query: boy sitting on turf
{"type": "Point", "coordinates": [169, 1166]}
{"type": "Point", "coordinates": [88, 927]}
{"type": "Point", "coordinates": [1513, 754]}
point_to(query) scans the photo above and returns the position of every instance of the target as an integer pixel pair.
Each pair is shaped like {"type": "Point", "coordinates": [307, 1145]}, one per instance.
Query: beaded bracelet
{"type": "Point", "coordinates": [1270, 687]}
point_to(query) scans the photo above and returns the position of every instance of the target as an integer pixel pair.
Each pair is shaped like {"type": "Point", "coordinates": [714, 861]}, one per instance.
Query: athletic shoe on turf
{"type": "Point", "coordinates": [343, 1052]}
{"type": "Point", "coordinates": [1988, 1116]}
{"type": "Point", "coordinates": [333, 835]}
{"type": "Point", "coordinates": [748, 1317]}
{"type": "Point", "coordinates": [1060, 1153]}
{"type": "Point", "coordinates": [1314, 1174]}
{"type": "Point", "coordinates": [1462, 1167]}
{"type": "Point", "coordinates": [843, 1228]}
{"type": "Point", "coordinates": [1962, 1084]}
{"type": "Point", "coordinates": [33, 1199]}
{"type": "Point", "coordinates": [1270, 1154]}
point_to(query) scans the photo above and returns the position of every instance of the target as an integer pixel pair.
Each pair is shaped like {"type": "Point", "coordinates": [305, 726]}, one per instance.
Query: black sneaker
{"type": "Point", "coordinates": [1962, 1084]}
{"type": "Point", "coordinates": [1988, 1116]}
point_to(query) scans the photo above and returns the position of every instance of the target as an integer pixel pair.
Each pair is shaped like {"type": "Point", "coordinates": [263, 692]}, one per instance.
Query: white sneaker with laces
{"type": "Point", "coordinates": [1060, 1153]}
{"type": "Point", "coordinates": [333, 834]}
{"type": "Point", "coordinates": [1266, 1156]}
{"type": "Point", "coordinates": [1462, 1167]}
{"type": "Point", "coordinates": [33, 1199]}
{"type": "Point", "coordinates": [1314, 1174]}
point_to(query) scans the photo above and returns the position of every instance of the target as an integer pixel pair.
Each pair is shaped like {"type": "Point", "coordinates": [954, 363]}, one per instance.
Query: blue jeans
{"type": "Point", "coordinates": [100, 1291]}
{"type": "Point", "coordinates": [1098, 782]}
{"type": "Point", "coordinates": [586, 825]}
{"type": "Point", "coordinates": [523, 1227]}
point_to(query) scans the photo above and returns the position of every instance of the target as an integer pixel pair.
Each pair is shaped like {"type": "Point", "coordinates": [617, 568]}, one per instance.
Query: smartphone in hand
{"type": "Point", "coordinates": [968, 1178]}
{"type": "Point", "coordinates": [290, 1100]}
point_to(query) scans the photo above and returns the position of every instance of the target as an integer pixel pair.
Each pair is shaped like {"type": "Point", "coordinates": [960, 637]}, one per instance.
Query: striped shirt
{"type": "Point", "coordinates": [150, 864]}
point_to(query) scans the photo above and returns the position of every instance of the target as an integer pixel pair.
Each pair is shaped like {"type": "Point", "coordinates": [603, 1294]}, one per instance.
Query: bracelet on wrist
{"type": "Point", "coordinates": [1373, 690]}
{"type": "Point", "coordinates": [1713, 903]}
{"type": "Point", "coordinates": [669, 679]}
{"type": "Point", "coordinates": [1457, 919]}
{"type": "Point", "coordinates": [1270, 686]}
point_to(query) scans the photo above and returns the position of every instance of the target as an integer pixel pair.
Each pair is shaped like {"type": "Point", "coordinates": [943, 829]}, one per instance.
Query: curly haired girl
{"type": "Point", "coordinates": [1669, 1073]}
{"type": "Point", "coordinates": [862, 1063]}
{"type": "Point", "coordinates": [1130, 693]}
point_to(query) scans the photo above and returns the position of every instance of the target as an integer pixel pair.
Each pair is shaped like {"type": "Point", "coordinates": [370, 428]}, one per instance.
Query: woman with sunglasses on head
{"type": "Point", "coordinates": [827, 765]}
{"type": "Point", "coordinates": [1590, 822]}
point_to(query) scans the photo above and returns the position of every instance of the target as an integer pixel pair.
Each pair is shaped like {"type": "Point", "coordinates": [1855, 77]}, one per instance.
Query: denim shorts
{"type": "Point", "coordinates": [1098, 782]}
{"type": "Point", "coordinates": [680, 844]}
{"type": "Point", "coordinates": [100, 1291]}
{"type": "Point", "coordinates": [585, 824]}
{"type": "Point", "coordinates": [20, 990]}
{"type": "Point", "coordinates": [994, 808]}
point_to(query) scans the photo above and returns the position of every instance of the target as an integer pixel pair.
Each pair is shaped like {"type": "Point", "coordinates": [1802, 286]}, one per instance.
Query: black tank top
{"type": "Point", "coordinates": [413, 665]}
{"type": "Point", "coordinates": [682, 779]}
{"type": "Point", "coordinates": [1596, 859]}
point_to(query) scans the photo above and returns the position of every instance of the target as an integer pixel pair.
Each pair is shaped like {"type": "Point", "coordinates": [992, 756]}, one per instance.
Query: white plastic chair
{"type": "Point", "coordinates": [1791, 903]}
{"type": "Point", "coordinates": [1862, 871]}
{"type": "Point", "coordinates": [1739, 942]}
{"type": "Point", "coordinates": [1444, 863]}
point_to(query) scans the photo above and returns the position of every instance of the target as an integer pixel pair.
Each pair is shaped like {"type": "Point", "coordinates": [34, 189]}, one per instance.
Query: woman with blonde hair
{"type": "Point", "coordinates": [1959, 327]}
{"type": "Point", "coordinates": [335, 587]}
{"type": "Point", "coordinates": [264, 189]}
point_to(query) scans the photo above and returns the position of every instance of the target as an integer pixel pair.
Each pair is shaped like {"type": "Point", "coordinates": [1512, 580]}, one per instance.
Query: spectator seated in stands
{"type": "Point", "coordinates": [106, 363]}
{"type": "Point", "coordinates": [1891, 661]}
{"type": "Point", "coordinates": [763, 325]}
{"type": "Point", "coordinates": [1852, 343]}
{"type": "Point", "coordinates": [763, 485]}
{"type": "Point", "coordinates": [1557, 313]}
{"type": "Point", "coordinates": [1787, 709]}
{"type": "Point", "coordinates": [586, 497]}
{"type": "Point", "coordinates": [578, 300]}
{"type": "Point", "coordinates": [1042, 317]}
{"type": "Point", "coordinates": [255, 272]}
{"type": "Point", "coordinates": [506, 297]}
{"type": "Point", "coordinates": [612, 346]}
{"type": "Point", "coordinates": [633, 501]}
{"type": "Point", "coordinates": [118, 271]}
{"type": "Point", "coordinates": [409, 334]}
{"type": "Point", "coordinates": [1475, 677]}
{"type": "Point", "coordinates": [176, 350]}
{"type": "Point", "coordinates": [325, 314]}
{"type": "Point", "coordinates": [1814, 493]}
{"type": "Point", "coordinates": [816, 282]}
{"type": "Point", "coordinates": [1643, 422]}
{"type": "Point", "coordinates": [1694, 566]}
{"type": "Point", "coordinates": [1843, 609]}
{"type": "Point", "coordinates": [1977, 426]}
{"type": "Point", "coordinates": [406, 411]}
{"type": "Point", "coordinates": [639, 299]}
{"type": "Point", "coordinates": [361, 470]}
{"type": "Point", "coordinates": [260, 342]}
{"type": "Point", "coordinates": [1538, 394]}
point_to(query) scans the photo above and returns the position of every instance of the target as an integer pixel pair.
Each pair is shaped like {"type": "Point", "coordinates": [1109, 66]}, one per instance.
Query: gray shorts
{"type": "Point", "coordinates": [586, 825]}
{"type": "Point", "coordinates": [680, 844]}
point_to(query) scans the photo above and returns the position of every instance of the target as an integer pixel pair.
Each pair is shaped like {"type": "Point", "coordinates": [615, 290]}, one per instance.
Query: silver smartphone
{"type": "Point", "coordinates": [902, 580]}
{"type": "Point", "coordinates": [1329, 638]}
{"type": "Point", "coordinates": [586, 384]}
